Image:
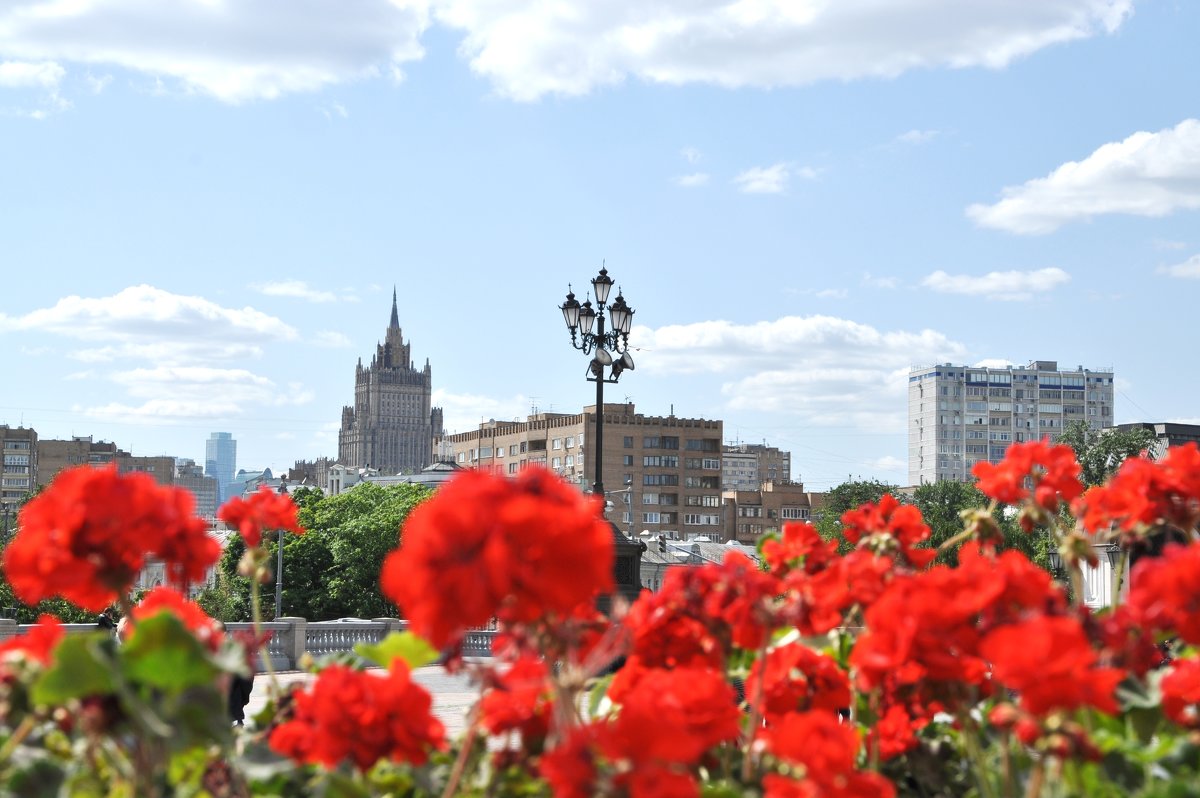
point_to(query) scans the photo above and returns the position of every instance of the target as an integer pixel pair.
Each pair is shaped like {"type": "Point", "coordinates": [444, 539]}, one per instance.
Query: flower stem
{"type": "Point", "coordinates": [970, 738]}
{"type": "Point", "coordinates": [17, 737]}
{"type": "Point", "coordinates": [460, 763]}
{"type": "Point", "coordinates": [256, 616]}
{"type": "Point", "coordinates": [755, 712]}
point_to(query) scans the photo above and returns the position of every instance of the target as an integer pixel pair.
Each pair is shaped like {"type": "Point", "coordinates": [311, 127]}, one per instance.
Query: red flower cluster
{"type": "Point", "coordinates": [1052, 468]}
{"type": "Point", "coordinates": [519, 701]}
{"type": "Point", "coordinates": [264, 510]}
{"type": "Point", "coordinates": [1051, 664]}
{"type": "Point", "coordinates": [87, 536]}
{"type": "Point", "coordinates": [489, 546]}
{"type": "Point", "coordinates": [701, 612]}
{"type": "Point", "coordinates": [669, 719]}
{"type": "Point", "coordinates": [355, 715]}
{"type": "Point", "coordinates": [38, 643]}
{"type": "Point", "coordinates": [1143, 493]}
{"type": "Point", "coordinates": [825, 748]}
{"type": "Point", "coordinates": [799, 547]}
{"type": "Point", "coordinates": [796, 678]}
{"type": "Point", "coordinates": [1163, 595]}
{"type": "Point", "coordinates": [889, 528]}
{"type": "Point", "coordinates": [1181, 693]}
{"type": "Point", "coordinates": [189, 613]}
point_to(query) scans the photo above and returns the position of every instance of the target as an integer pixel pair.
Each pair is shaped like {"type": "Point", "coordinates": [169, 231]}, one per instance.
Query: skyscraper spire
{"type": "Point", "coordinates": [395, 324]}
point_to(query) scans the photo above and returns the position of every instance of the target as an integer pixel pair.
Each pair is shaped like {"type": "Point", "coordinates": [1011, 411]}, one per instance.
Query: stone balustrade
{"type": "Point", "coordinates": [292, 638]}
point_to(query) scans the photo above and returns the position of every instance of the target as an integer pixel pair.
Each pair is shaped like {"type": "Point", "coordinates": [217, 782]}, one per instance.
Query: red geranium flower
{"type": "Point", "coordinates": [487, 546]}
{"type": "Point", "coordinates": [1181, 693]}
{"type": "Point", "coordinates": [356, 715]}
{"type": "Point", "coordinates": [264, 510]}
{"type": "Point", "coordinates": [798, 679]}
{"type": "Point", "coordinates": [827, 749]}
{"type": "Point", "coordinates": [190, 614]}
{"type": "Point", "coordinates": [38, 643]}
{"type": "Point", "coordinates": [570, 767]}
{"type": "Point", "coordinates": [668, 716]}
{"type": "Point", "coordinates": [1143, 493]}
{"type": "Point", "coordinates": [801, 546]}
{"type": "Point", "coordinates": [87, 536]}
{"type": "Point", "coordinates": [1051, 664]}
{"type": "Point", "coordinates": [1163, 593]}
{"type": "Point", "coordinates": [1052, 468]}
{"type": "Point", "coordinates": [520, 701]}
{"type": "Point", "coordinates": [889, 528]}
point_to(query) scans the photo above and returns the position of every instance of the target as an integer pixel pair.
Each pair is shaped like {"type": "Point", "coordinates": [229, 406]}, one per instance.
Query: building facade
{"type": "Point", "coordinates": [392, 424]}
{"type": "Point", "coordinates": [663, 473]}
{"type": "Point", "coordinates": [18, 470]}
{"type": "Point", "coordinates": [746, 466]}
{"type": "Point", "coordinates": [190, 477]}
{"type": "Point", "coordinates": [56, 455]}
{"type": "Point", "coordinates": [961, 415]}
{"type": "Point", "coordinates": [750, 514]}
{"type": "Point", "coordinates": [220, 462]}
{"type": "Point", "coordinates": [1166, 434]}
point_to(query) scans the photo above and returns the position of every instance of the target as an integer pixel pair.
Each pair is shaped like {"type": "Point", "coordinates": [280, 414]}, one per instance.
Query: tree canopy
{"type": "Point", "coordinates": [332, 571]}
{"type": "Point", "coordinates": [1101, 452]}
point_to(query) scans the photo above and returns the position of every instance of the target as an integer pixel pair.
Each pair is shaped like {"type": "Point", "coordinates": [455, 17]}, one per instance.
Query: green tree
{"type": "Point", "coordinates": [941, 505]}
{"type": "Point", "coordinates": [1100, 453]}
{"type": "Point", "coordinates": [847, 496]}
{"type": "Point", "coordinates": [331, 571]}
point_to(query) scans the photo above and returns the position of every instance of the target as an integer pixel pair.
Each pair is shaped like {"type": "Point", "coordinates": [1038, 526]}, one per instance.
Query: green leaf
{"type": "Point", "coordinates": [338, 785]}
{"type": "Point", "coordinates": [407, 646]}
{"type": "Point", "coordinates": [163, 653]}
{"type": "Point", "coordinates": [78, 671]}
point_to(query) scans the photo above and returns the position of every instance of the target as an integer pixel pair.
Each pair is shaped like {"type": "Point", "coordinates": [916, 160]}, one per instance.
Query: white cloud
{"type": "Point", "coordinates": [889, 463]}
{"type": "Point", "coordinates": [294, 288]}
{"type": "Point", "coordinates": [143, 312]}
{"type": "Point", "coordinates": [691, 154]}
{"type": "Point", "coordinates": [332, 110]}
{"type": "Point", "coordinates": [235, 51]}
{"type": "Point", "coordinates": [994, 363]}
{"type": "Point", "coordinates": [832, 293]}
{"type": "Point", "coordinates": [98, 84]}
{"type": "Point", "coordinates": [1166, 244]}
{"type": "Point", "coordinates": [573, 46]}
{"type": "Point", "coordinates": [1190, 268]}
{"type": "Point", "coordinates": [1011, 285]}
{"type": "Point", "coordinates": [763, 179]}
{"type": "Point", "coordinates": [824, 370]}
{"type": "Point", "coordinates": [331, 339]}
{"type": "Point", "coordinates": [1147, 174]}
{"type": "Point", "coordinates": [24, 74]}
{"type": "Point", "coordinates": [917, 136]}
{"type": "Point", "coordinates": [871, 281]}
{"type": "Point", "coordinates": [694, 180]}
{"type": "Point", "coordinates": [464, 411]}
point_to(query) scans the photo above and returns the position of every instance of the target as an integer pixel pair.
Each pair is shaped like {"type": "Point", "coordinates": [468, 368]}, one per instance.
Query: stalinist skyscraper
{"type": "Point", "coordinates": [392, 423]}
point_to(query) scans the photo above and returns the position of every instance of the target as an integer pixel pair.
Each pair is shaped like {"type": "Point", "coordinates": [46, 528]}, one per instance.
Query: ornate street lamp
{"type": "Point", "coordinates": [607, 341]}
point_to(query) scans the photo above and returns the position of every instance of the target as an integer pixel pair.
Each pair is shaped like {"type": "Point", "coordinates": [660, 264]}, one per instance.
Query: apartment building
{"type": "Point", "coordinates": [207, 490]}
{"type": "Point", "coordinates": [745, 466]}
{"type": "Point", "coordinates": [55, 455]}
{"type": "Point", "coordinates": [18, 465]}
{"type": "Point", "coordinates": [664, 470]}
{"type": "Point", "coordinates": [750, 514]}
{"type": "Point", "coordinates": [960, 415]}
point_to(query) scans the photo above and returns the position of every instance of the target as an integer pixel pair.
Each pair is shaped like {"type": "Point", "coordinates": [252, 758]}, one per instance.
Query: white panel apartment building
{"type": "Point", "coordinates": [960, 415]}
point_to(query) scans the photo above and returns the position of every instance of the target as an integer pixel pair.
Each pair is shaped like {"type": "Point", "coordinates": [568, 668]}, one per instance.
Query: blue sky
{"type": "Point", "coordinates": [204, 205]}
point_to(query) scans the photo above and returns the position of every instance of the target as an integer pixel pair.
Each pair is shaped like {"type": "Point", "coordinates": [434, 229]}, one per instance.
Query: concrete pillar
{"type": "Point", "coordinates": [390, 625]}
{"type": "Point", "coordinates": [293, 639]}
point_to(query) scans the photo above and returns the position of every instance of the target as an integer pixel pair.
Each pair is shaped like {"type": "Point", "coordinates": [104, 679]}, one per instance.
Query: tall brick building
{"type": "Point", "coordinates": [392, 423]}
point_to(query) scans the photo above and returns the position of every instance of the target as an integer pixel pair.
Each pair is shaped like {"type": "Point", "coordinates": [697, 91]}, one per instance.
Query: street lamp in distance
{"type": "Point", "coordinates": [606, 338]}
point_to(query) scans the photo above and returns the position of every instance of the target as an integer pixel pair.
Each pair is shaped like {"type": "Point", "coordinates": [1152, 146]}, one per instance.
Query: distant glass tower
{"type": "Point", "coordinates": [220, 461]}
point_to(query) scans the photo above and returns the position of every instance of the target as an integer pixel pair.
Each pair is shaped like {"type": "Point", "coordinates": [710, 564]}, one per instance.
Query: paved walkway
{"type": "Point", "coordinates": [452, 695]}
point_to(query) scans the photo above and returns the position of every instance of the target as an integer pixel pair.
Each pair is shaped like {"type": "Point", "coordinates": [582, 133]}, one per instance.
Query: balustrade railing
{"type": "Point", "coordinates": [292, 638]}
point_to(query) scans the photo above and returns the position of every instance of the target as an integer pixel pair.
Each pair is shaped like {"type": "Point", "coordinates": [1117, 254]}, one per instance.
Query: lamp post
{"type": "Point", "coordinates": [609, 348]}
{"type": "Point", "coordinates": [279, 563]}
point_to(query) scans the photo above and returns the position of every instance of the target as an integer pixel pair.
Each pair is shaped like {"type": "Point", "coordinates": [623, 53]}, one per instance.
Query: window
{"type": "Point", "coordinates": [462, 457]}
{"type": "Point", "coordinates": [556, 462]}
{"type": "Point", "coordinates": [711, 463]}
{"type": "Point", "coordinates": [713, 483]}
{"type": "Point", "coordinates": [660, 479]}
{"type": "Point", "coordinates": [793, 513]}
{"type": "Point", "coordinates": [512, 450]}
{"type": "Point", "coordinates": [570, 461]}
{"type": "Point", "coordinates": [703, 445]}
{"type": "Point", "coordinates": [749, 512]}
{"type": "Point", "coordinates": [499, 451]}
{"type": "Point", "coordinates": [571, 442]}
{"type": "Point", "coordinates": [670, 499]}
{"type": "Point", "coordinates": [512, 468]}
{"type": "Point", "coordinates": [486, 451]}
{"type": "Point", "coordinates": [650, 518]}
{"type": "Point", "coordinates": [649, 498]}
{"type": "Point", "coordinates": [557, 443]}
{"type": "Point", "coordinates": [670, 442]}
{"type": "Point", "coordinates": [650, 442]}
{"type": "Point", "coordinates": [699, 518]}
{"type": "Point", "coordinates": [710, 501]}
{"type": "Point", "coordinates": [628, 442]}
{"type": "Point", "coordinates": [627, 460]}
